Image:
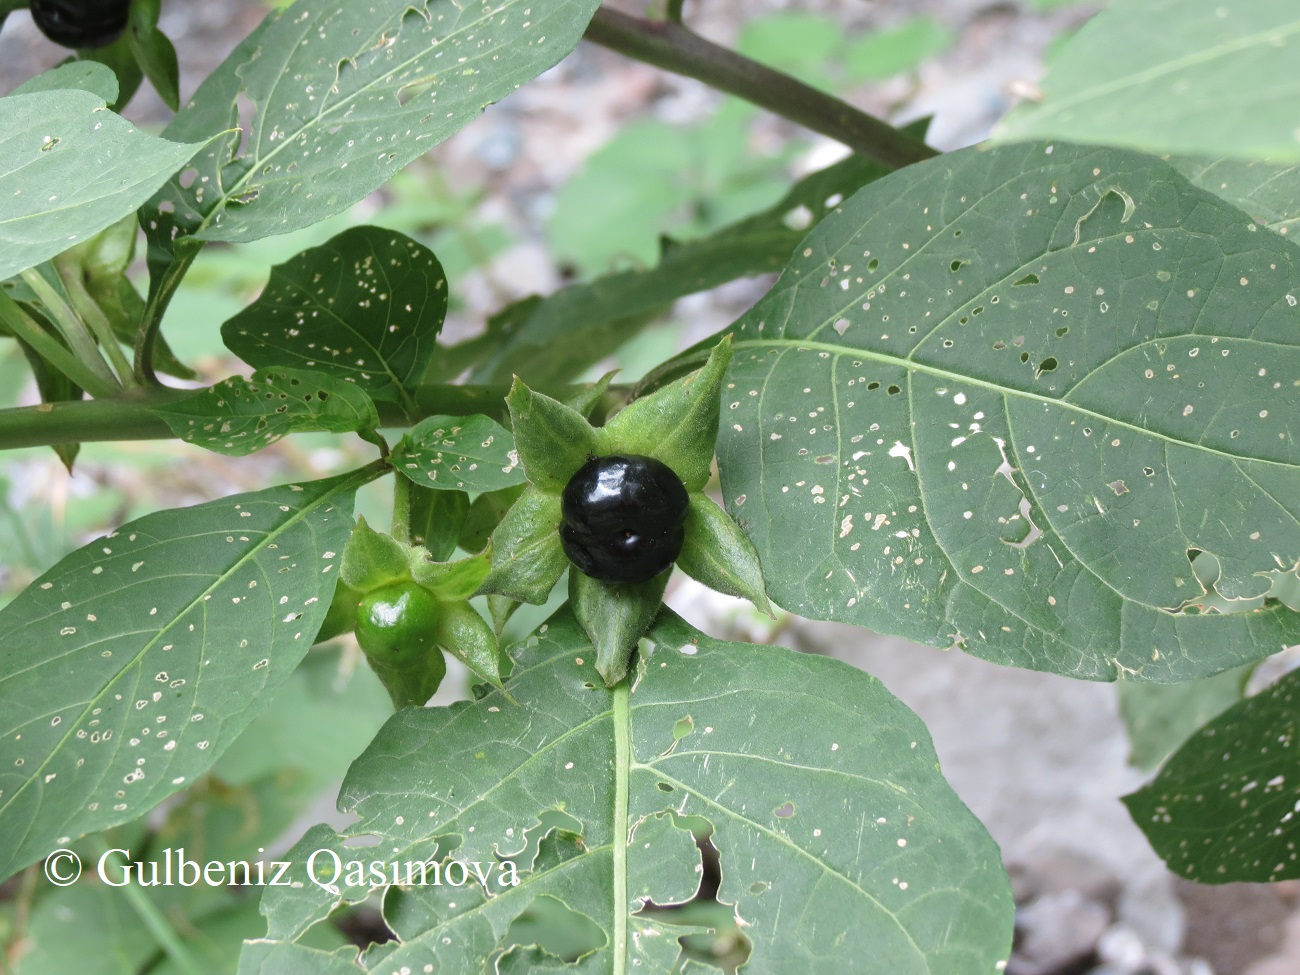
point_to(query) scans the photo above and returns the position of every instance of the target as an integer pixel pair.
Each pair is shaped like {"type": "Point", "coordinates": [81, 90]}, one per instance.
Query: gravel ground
{"type": "Point", "coordinates": [1041, 759]}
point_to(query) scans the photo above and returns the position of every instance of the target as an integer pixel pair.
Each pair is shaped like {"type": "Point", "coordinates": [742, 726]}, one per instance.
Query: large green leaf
{"type": "Point", "coordinates": [336, 98]}
{"type": "Point", "coordinates": [366, 307]}
{"type": "Point", "coordinates": [1269, 192]}
{"type": "Point", "coordinates": [1224, 808]}
{"type": "Point", "coordinates": [1191, 76]}
{"type": "Point", "coordinates": [563, 334]}
{"type": "Point", "coordinates": [1012, 440]}
{"type": "Point", "coordinates": [127, 669]}
{"type": "Point", "coordinates": [69, 168]}
{"type": "Point", "coordinates": [838, 838]}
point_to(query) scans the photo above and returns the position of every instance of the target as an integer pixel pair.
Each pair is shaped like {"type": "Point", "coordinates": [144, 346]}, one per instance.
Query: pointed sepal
{"type": "Point", "coordinates": [529, 559]}
{"type": "Point", "coordinates": [463, 633]}
{"type": "Point", "coordinates": [373, 559]}
{"type": "Point", "coordinates": [451, 581]}
{"type": "Point", "coordinates": [615, 616]}
{"type": "Point", "coordinates": [553, 439]}
{"type": "Point", "coordinates": [678, 424]}
{"type": "Point", "coordinates": [717, 553]}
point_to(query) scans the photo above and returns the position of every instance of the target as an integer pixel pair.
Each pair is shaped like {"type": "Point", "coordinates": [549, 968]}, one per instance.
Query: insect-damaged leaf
{"type": "Point", "coordinates": [1012, 442]}
{"type": "Point", "coordinates": [459, 453]}
{"type": "Point", "coordinates": [1224, 808]}
{"type": "Point", "coordinates": [240, 416]}
{"type": "Point", "coordinates": [128, 668]}
{"type": "Point", "coordinates": [832, 800]}
{"type": "Point", "coordinates": [366, 306]}
{"type": "Point", "coordinates": [339, 97]}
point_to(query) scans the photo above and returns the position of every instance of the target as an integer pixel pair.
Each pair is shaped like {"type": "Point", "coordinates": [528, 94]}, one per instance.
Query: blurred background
{"type": "Point", "coordinates": [580, 173]}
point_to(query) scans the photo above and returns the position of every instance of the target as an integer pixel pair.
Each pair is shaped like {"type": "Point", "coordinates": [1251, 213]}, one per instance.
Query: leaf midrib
{"type": "Point", "coordinates": [912, 366]}
{"type": "Point", "coordinates": [351, 483]}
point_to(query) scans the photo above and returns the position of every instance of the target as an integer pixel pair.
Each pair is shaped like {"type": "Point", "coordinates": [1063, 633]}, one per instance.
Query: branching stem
{"type": "Point", "coordinates": [670, 46]}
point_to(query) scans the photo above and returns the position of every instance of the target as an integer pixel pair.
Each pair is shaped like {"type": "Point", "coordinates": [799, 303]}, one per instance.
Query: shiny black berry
{"type": "Point", "coordinates": [623, 518]}
{"type": "Point", "coordinates": [81, 23]}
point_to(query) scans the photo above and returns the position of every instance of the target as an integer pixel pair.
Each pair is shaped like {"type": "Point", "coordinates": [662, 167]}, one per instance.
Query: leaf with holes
{"type": "Point", "coordinates": [459, 453]}
{"type": "Point", "coordinates": [366, 307]}
{"type": "Point", "coordinates": [1187, 76]}
{"type": "Point", "coordinates": [333, 99]}
{"type": "Point", "coordinates": [129, 667]}
{"type": "Point", "coordinates": [240, 416]}
{"type": "Point", "coordinates": [69, 168]}
{"type": "Point", "coordinates": [1013, 442]}
{"type": "Point", "coordinates": [585, 803]}
{"type": "Point", "coordinates": [1224, 807]}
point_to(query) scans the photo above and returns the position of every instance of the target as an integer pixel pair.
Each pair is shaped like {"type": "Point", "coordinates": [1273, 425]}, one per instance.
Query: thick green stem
{"type": "Point", "coordinates": [675, 48]}
{"type": "Point", "coordinates": [127, 416]}
{"type": "Point", "coordinates": [49, 348]}
{"type": "Point", "coordinates": [160, 296]}
{"type": "Point", "coordinates": [71, 327]}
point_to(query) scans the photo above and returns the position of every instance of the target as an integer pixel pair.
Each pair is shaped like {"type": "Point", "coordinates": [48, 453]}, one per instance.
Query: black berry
{"type": "Point", "coordinates": [623, 518]}
{"type": "Point", "coordinates": [81, 23]}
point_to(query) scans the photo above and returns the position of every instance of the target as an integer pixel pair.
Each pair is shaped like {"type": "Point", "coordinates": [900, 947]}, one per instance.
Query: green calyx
{"type": "Point", "coordinates": [677, 426]}
{"type": "Point", "coordinates": [407, 610]}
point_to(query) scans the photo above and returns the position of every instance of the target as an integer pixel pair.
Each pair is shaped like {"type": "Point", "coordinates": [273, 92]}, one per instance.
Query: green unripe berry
{"type": "Point", "coordinates": [397, 629]}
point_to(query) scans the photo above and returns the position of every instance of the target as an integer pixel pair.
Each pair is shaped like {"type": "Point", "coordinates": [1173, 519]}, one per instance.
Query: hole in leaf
{"type": "Point", "coordinates": [784, 812]}
{"type": "Point", "coordinates": [1027, 280]}
{"type": "Point", "coordinates": [957, 265]}
{"type": "Point", "coordinates": [555, 928]}
{"type": "Point", "coordinates": [1024, 357]}
{"type": "Point", "coordinates": [1061, 332]}
{"type": "Point", "coordinates": [894, 390]}
{"type": "Point", "coordinates": [664, 787]}
{"type": "Point", "coordinates": [683, 727]}
{"type": "Point", "coordinates": [872, 264]}
{"type": "Point", "coordinates": [759, 887]}
{"type": "Point", "coordinates": [873, 386]}
{"type": "Point", "coordinates": [1047, 365]}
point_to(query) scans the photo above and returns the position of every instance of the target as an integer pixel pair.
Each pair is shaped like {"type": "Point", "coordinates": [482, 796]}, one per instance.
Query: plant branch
{"type": "Point", "coordinates": [675, 48]}
{"type": "Point", "coordinates": [127, 416]}
{"type": "Point", "coordinates": [160, 296]}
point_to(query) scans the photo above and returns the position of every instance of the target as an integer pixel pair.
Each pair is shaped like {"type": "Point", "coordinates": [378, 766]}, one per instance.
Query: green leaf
{"type": "Point", "coordinates": [587, 399]}
{"type": "Point", "coordinates": [153, 52]}
{"type": "Point", "coordinates": [366, 306]}
{"type": "Point", "coordinates": [69, 168]}
{"type": "Point", "coordinates": [436, 519]}
{"type": "Point", "coordinates": [833, 798]}
{"type": "Point", "coordinates": [677, 424]}
{"type": "Point", "coordinates": [88, 76]}
{"type": "Point", "coordinates": [1188, 76]}
{"type": "Point", "coordinates": [567, 332]}
{"type": "Point", "coordinates": [465, 634]}
{"type": "Point", "coordinates": [553, 440]}
{"type": "Point", "coordinates": [1223, 809]}
{"type": "Point", "coordinates": [615, 616]}
{"type": "Point", "coordinates": [128, 668]}
{"type": "Point", "coordinates": [336, 99]}
{"type": "Point", "coordinates": [1269, 192]}
{"type": "Point", "coordinates": [484, 515]}
{"type": "Point", "coordinates": [459, 453]}
{"type": "Point", "coordinates": [527, 558]}
{"type": "Point", "coordinates": [885, 53]}
{"type": "Point", "coordinates": [1160, 717]}
{"type": "Point", "coordinates": [1012, 444]}
{"type": "Point", "coordinates": [717, 553]}
{"type": "Point", "coordinates": [239, 416]}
